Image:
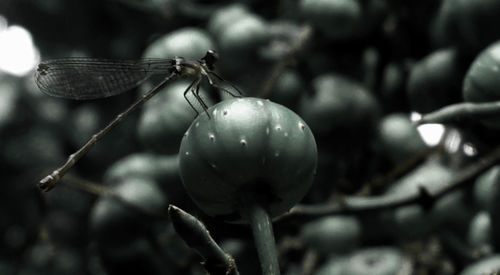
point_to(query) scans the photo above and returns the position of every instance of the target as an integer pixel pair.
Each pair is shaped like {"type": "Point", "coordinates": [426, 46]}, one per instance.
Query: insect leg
{"type": "Point", "coordinates": [197, 94]}
{"type": "Point", "coordinates": [185, 96]}
{"type": "Point", "coordinates": [223, 80]}
{"type": "Point", "coordinates": [195, 89]}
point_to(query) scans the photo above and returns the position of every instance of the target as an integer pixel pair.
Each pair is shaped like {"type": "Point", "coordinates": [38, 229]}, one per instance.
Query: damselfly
{"type": "Point", "coordinates": [90, 78]}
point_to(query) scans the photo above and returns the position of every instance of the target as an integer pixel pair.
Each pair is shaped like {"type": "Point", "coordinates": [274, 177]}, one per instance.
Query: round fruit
{"type": "Point", "coordinates": [333, 234]}
{"type": "Point", "coordinates": [434, 81]}
{"type": "Point", "coordinates": [239, 34]}
{"type": "Point", "coordinates": [247, 146]}
{"type": "Point", "coordinates": [166, 117]}
{"type": "Point", "coordinates": [483, 78]}
{"type": "Point", "coordinates": [342, 19]}
{"type": "Point", "coordinates": [128, 213]}
{"type": "Point", "coordinates": [339, 106]}
{"type": "Point", "coordinates": [483, 266]}
{"type": "Point", "coordinates": [375, 261]}
{"type": "Point", "coordinates": [398, 139]}
{"type": "Point", "coordinates": [186, 42]}
{"type": "Point", "coordinates": [467, 24]}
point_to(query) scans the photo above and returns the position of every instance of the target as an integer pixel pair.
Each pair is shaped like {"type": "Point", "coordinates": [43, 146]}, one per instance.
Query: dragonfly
{"type": "Point", "coordinates": [90, 78]}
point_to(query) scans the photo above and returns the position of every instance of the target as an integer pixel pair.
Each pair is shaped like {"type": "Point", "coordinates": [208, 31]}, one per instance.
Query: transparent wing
{"type": "Point", "coordinates": [90, 78]}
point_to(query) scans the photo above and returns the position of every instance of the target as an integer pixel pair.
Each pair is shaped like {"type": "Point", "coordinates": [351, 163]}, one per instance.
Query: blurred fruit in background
{"type": "Point", "coordinates": [359, 72]}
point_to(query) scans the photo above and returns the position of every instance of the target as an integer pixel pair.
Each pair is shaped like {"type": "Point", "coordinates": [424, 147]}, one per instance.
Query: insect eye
{"type": "Point", "coordinates": [210, 58]}
{"type": "Point", "coordinates": [213, 55]}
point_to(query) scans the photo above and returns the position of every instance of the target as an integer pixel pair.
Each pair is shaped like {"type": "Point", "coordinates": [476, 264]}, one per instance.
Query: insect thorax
{"type": "Point", "coordinates": [186, 67]}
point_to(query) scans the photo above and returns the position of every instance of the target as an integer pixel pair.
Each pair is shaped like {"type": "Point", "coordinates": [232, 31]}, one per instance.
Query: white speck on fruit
{"type": "Point", "coordinates": [278, 128]}
{"type": "Point", "coordinates": [260, 103]}
{"type": "Point", "coordinates": [213, 166]}
{"type": "Point", "coordinates": [186, 133]}
{"type": "Point", "coordinates": [197, 124]}
{"type": "Point", "coordinates": [302, 126]}
{"type": "Point", "coordinates": [211, 137]}
{"type": "Point", "coordinates": [243, 142]}
{"type": "Point", "coordinates": [277, 154]}
{"type": "Point", "coordinates": [214, 112]}
{"type": "Point", "coordinates": [187, 153]}
{"type": "Point", "coordinates": [286, 134]}
{"type": "Point", "coordinates": [267, 130]}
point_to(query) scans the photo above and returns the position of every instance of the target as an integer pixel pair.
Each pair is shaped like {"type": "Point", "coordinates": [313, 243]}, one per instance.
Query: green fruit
{"type": "Point", "coordinates": [339, 105]}
{"type": "Point", "coordinates": [134, 256]}
{"type": "Point", "coordinates": [338, 19]}
{"type": "Point", "coordinates": [144, 165]}
{"type": "Point", "coordinates": [342, 19]}
{"type": "Point", "coordinates": [166, 117]}
{"type": "Point", "coordinates": [479, 232]}
{"type": "Point", "coordinates": [434, 81]}
{"type": "Point", "coordinates": [247, 146]}
{"type": "Point", "coordinates": [369, 261]}
{"type": "Point", "coordinates": [225, 16]}
{"type": "Point", "coordinates": [135, 204]}
{"type": "Point", "coordinates": [483, 78]}
{"type": "Point", "coordinates": [244, 34]}
{"type": "Point", "coordinates": [467, 24]}
{"type": "Point", "coordinates": [239, 34]}
{"type": "Point", "coordinates": [392, 84]}
{"type": "Point", "coordinates": [288, 89]}
{"type": "Point", "coordinates": [398, 138]}
{"type": "Point", "coordinates": [34, 147]}
{"type": "Point", "coordinates": [186, 42]}
{"type": "Point", "coordinates": [488, 265]}
{"type": "Point", "coordinates": [336, 234]}
{"type": "Point", "coordinates": [333, 266]}
{"type": "Point", "coordinates": [413, 221]}
{"type": "Point", "coordinates": [484, 187]}
{"type": "Point", "coordinates": [163, 169]}
{"type": "Point", "coordinates": [375, 261]}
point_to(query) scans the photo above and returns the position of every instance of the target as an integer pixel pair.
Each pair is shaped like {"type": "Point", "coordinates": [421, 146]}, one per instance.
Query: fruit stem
{"type": "Point", "coordinates": [262, 230]}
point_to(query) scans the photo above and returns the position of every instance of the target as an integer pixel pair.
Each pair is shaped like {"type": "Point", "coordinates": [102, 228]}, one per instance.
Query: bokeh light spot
{"type": "Point", "coordinates": [18, 55]}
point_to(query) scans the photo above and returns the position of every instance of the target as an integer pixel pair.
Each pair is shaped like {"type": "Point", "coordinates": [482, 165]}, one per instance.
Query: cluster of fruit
{"type": "Point", "coordinates": [353, 80]}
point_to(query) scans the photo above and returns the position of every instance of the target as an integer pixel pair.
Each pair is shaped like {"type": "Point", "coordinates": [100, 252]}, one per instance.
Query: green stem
{"type": "Point", "coordinates": [458, 111]}
{"type": "Point", "coordinates": [263, 234]}
{"type": "Point", "coordinates": [364, 204]}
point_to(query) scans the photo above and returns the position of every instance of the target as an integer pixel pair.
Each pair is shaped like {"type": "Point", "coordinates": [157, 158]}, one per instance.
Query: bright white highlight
{"type": "Point", "coordinates": [469, 150]}
{"type": "Point", "coordinates": [431, 133]}
{"type": "Point", "coordinates": [18, 55]}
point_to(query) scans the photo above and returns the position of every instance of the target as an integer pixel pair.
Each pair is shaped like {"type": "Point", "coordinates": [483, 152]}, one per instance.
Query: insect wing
{"type": "Point", "coordinates": [88, 78]}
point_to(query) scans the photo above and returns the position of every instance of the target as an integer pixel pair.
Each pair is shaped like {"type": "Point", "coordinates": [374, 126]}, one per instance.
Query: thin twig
{"type": "Point", "coordinates": [358, 205]}
{"type": "Point", "coordinates": [404, 167]}
{"type": "Point", "coordinates": [459, 111]}
{"type": "Point", "coordinates": [288, 59]}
